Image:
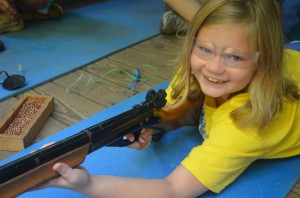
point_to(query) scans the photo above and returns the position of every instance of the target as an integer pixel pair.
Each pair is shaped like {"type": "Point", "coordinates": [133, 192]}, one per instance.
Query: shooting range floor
{"type": "Point", "coordinates": [86, 99]}
{"type": "Point", "coordinates": [49, 49]}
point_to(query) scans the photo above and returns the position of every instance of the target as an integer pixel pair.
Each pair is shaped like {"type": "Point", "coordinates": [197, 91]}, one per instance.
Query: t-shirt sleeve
{"type": "Point", "coordinates": [223, 156]}
{"type": "Point", "coordinates": [169, 90]}
{"type": "Point", "coordinates": [292, 63]}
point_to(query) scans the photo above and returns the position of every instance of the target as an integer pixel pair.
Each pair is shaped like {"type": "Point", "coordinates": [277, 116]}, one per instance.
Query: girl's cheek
{"type": "Point", "coordinates": [196, 63]}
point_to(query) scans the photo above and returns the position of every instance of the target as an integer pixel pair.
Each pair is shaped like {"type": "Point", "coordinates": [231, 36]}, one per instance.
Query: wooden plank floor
{"type": "Point", "coordinates": [87, 99]}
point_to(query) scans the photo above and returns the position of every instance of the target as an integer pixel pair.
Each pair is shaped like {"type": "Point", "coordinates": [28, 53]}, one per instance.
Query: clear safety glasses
{"type": "Point", "coordinates": [229, 56]}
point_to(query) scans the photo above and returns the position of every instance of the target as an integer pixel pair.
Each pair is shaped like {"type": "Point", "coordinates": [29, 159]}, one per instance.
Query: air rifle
{"type": "Point", "coordinates": [26, 172]}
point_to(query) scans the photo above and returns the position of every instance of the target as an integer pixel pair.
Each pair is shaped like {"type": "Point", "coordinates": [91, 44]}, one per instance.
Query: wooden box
{"type": "Point", "coordinates": [28, 117]}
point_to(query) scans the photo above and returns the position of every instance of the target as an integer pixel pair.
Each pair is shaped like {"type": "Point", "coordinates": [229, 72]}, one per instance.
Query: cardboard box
{"type": "Point", "coordinates": [38, 111]}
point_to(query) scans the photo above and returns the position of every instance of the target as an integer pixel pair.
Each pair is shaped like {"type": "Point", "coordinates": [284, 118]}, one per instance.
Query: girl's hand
{"type": "Point", "coordinates": [143, 141]}
{"type": "Point", "coordinates": [77, 179]}
{"type": "Point", "coordinates": [7, 8]}
{"type": "Point", "coordinates": [72, 178]}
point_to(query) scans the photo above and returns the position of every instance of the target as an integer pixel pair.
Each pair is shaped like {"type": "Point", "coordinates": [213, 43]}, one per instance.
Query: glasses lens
{"type": "Point", "coordinates": [204, 51]}
{"type": "Point", "coordinates": [234, 58]}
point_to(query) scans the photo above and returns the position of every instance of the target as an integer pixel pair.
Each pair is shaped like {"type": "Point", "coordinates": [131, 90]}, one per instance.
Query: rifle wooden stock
{"type": "Point", "coordinates": [24, 173]}
{"type": "Point", "coordinates": [42, 173]}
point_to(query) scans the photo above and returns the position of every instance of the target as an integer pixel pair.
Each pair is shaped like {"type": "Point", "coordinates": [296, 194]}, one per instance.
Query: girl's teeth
{"type": "Point", "coordinates": [213, 80]}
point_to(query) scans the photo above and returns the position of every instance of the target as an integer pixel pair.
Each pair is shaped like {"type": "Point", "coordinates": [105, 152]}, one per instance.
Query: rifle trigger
{"type": "Point", "coordinates": [125, 142]}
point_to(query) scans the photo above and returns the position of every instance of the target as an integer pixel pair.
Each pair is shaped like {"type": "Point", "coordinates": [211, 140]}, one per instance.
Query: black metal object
{"type": "Point", "coordinates": [12, 82]}
{"type": "Point", "coordinates": [2, 47]}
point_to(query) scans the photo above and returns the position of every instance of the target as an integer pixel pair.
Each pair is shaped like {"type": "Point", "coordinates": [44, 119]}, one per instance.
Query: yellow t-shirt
{"type": "Point", "coordinates": [228, 150]}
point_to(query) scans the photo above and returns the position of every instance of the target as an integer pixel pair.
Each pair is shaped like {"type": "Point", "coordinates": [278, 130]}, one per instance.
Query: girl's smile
{"type": "Point", "coordinates": [213, 79]}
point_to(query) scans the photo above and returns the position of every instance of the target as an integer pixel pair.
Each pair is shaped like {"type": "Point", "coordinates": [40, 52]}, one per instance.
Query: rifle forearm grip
{"type": "Point", "coordinates": [42, 173]}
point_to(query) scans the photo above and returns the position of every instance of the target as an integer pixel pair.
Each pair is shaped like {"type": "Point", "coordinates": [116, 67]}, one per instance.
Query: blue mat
{"type": "Point", "coordinates": [49, 49]}
{"type": "Point", "coordinates": [264, 178]}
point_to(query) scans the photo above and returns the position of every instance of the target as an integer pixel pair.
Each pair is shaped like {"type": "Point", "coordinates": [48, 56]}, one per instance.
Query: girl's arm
{"type": "Point", "coordinates": [180, 183]}
{"type": "Point", "coordinates": [6, 7]}
{"type": "Point", "coordinates": [185, 8]}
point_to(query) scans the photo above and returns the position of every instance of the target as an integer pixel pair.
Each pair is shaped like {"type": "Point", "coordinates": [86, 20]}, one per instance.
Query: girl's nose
{"type": "Point", "coordinates": [215, 65]}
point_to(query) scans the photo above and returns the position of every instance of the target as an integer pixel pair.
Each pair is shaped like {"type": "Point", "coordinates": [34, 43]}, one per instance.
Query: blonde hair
{"type": "Point", "coordinates": [269, 86]}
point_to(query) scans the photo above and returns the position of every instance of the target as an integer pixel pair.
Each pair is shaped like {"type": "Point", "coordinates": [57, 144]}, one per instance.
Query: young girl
{"type": "Point", "coordinates": [233, 59]}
